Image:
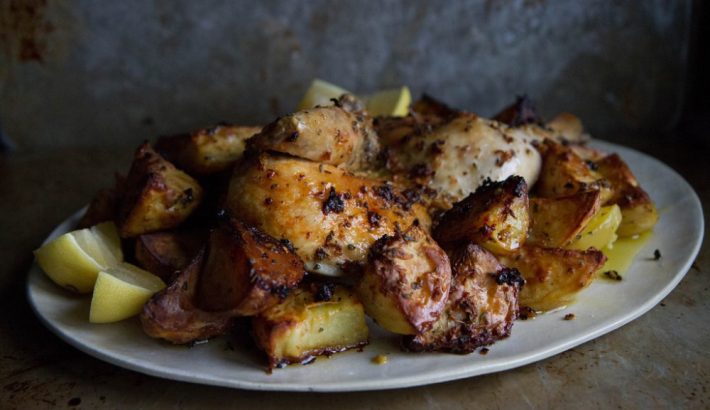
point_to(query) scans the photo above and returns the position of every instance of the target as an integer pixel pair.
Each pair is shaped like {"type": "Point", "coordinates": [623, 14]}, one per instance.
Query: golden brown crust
{"type": "Point", "coordinates": [335, 135]}
{"type": "Point", "coordinates": [158, 196]}
{"type": "Point", "coordinates": [520, 112]}
{"type": "Point", "coordinates": [172, 315]}
{"type": "Point", "coordinates": [331, 216]}
{"type": "Point", "coordinates": [495, 216]}
{"type": "Point", "coordinates": [553, 276]}
{"type": "Point", "coordinates": [406, 281]}
{"type": "Point", "coordinates": [556, 222]}
{"type": "Point", "coordinates": [481, 307]}
{"type": "Point", "coordinates": [207, 151]}
{"type": "Point", "coordinates": [310, 323]}
{"type": "Point", "coordinates": [246, 270]}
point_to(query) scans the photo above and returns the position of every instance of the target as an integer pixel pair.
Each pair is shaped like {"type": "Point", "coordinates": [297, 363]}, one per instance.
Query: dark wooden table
{"type": "Point", "coordinates": [660, 360]}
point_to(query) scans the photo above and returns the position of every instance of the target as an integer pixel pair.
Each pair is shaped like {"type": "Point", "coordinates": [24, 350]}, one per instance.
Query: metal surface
{"type": "Point", "coordinates": [81, 73]}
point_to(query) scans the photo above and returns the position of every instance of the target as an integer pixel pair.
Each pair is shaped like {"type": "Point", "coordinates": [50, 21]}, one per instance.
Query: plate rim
{"type": "Point", "coordinates": [505, 363]}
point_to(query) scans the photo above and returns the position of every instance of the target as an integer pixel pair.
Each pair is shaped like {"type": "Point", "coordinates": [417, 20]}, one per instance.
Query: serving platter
{"type": "Point", "coordinates": [600, 309]}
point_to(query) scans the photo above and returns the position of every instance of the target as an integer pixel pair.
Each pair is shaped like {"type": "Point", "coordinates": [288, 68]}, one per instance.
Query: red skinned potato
{"type": "Point", "coordinates": [246, 271]}
{"type": "Point", "coordinates": [405, 281]}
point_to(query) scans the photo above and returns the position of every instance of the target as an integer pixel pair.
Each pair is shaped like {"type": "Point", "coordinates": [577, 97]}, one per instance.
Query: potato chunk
{"type": "Point", "coordinates": [207, 151]}
{"type": "Point", "coordinates": [638, 212]}
{"type": "Point", "coordinates": [406, 281]}
{"type": "Point", "coordinates": [164, 253]}
{"type": "Point", "coordinates": [495, 216]}
{"type": "Point", "coordinates": [564, 173]}
{"type": "Point", "coordinates": [552, 275]}
{"type": "Point", "coordinates": [158, 196]}
{"type": "Point", "coordinates": [556, 222]}
{"type": "Point", "coordinates": [312, 321]}
{"type": "Point", "coordinates": [172, 314]}
{"type": "Point", "coordinates": [480, 309]}
{"type": "Point", "coordinates": [246, 270]}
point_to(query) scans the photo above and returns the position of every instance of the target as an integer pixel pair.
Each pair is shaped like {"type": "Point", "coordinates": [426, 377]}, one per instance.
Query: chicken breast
{"type": "Point", "coordinates": [330, 216]}
{"type": "Point", "coordinates": [457, 157]}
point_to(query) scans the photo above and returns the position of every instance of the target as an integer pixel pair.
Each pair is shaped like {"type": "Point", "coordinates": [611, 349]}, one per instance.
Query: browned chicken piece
{"type": "Point", "coordinates": [425, 114]}
{"type": "Point", "coordinates": [207, 151]}
{"type": "Point", "coordinates": [158, 196]}
{"type": "Point", "coordinates": [104, 206]}
{"type": "Point", "coordinates": [521, 112]}
{"type": "Point", "coordinates": [331, 216]}
{"type": "Point", "coordinates": [337, 135]}
{"type": "Point", "coordinates": [164, 253]}
{"type": "Point", "coordinates": [428, 106]}
{"type": "Point", "coordinates": [405, 282]}
{"type": "Point", "coordinates": [172, 314]}
{"type": "Point", "coordinates": [457, 156]}
{"type": "Point", "coordinates": [480, 309]}
{"type": "Point", "coordinates": [564, 173]}
{"type": "Point", "coordinates": [553, 276]}
{"type": "Point", "coordinates": [495, 216]}
{"type": "Point", "coordinates": [247, 271]}
{"type": "Point", "coordinates": [314, 320]}
{"type": "Point", "coordinates": [638, 212]}
{"type": "Point", "coordinates": [556, 222]}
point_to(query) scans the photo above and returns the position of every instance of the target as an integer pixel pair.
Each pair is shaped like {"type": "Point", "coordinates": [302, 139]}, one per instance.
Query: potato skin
{"type": "Point", "coordinates": [246, 270]}
{"type": "Point", "coordinates": [207, 151]}
{"type": "Point", "coordinates": [314, 320]}
{"type": "Point", "coordinates": [556, 222]}
{"type": "Point", "coordinates": [172, 314]}
{"type": "Point", "coordinates": [480, 309]}
{"type": "Point", "coordinates": [158, 196]}
{"type": "Point", "coordinates": [164, 253]}
{"type": "Point", "coordinates": [553, 276]}
{"type": "Point", "coordinates": [495, 216]}
{"type": "Point", "coordinates": [638, 212]}
{"type": "Point", "coordinates": [331, 216]}
{"type": "Point", "coordinates": [405, 282]}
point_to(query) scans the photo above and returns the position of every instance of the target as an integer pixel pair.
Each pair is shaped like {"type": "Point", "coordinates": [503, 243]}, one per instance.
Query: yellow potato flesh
{"type": "Point", "coordinates": [120, 292]}
{"type": "Point", "coordinates": [601, 230]}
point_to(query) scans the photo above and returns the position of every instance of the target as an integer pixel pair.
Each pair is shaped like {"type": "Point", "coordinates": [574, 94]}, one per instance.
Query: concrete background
{"type": "Point", "coordinates": [86, 73]}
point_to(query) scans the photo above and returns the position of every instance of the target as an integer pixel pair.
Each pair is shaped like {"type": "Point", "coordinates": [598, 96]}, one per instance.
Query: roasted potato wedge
{"type": "Point", "coordinates": [638, 212]}
{"type": "Point", "coordinates": [314, 320]}
{"type": "Point", "coordinates": [104, 206]}
{"type": "Point", "coordinates": [481, 306]}
{"type": "Point", "coordinates": [557, 222]}
{"type": "Point", "coordinates": [207, 151]}
{"type": "Point", "coordinates": [331, 216]}
{"type": "Point", "coordinates": [246, 270]}
{"type": "Point", "coordinates": [164, 253]}
{"type": "Point", "coordinates": [495, 216]}
{"type": "Point", "coordinates": [564, 173]}
{"type": "Point", "coordinates": [158, 196]}
{"type": "Point", "coordinates": [172, 314]}
{"type": "Point", "coordinates": [405, 281]}
{"type": "Point", "coordinates": [521, 112]}
{"type": "Point", "coordinates": [568, 127]}
{"type": "Point", "coordinates": [337, 135]}
{"type": "Point", "coordinates": [553, 276]}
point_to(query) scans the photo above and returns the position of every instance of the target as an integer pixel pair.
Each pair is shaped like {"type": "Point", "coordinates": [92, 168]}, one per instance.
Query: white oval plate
{"type": "Point", "coordinates": [601, 308]}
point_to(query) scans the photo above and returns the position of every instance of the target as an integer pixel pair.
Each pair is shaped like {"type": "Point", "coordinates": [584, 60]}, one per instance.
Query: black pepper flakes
{"type": "Point", "coordinates": [334, 203]}
{"type": "Point", "coordinates": [293, 137]}
{"type": "Point", "coordinates": [570, 316]}
{"type": "Point", "coordinates": [656, 255]}
{"type": "Point", "coordinates": [510, 276]}
{"type": "Point", "coordinates": [613, 275]}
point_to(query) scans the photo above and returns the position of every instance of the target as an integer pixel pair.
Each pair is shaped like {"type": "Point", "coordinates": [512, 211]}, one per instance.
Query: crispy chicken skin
{"type": "Point", "coordinates": [246, 270]}
{"type": "Point", "coordinates": [480, 309]}
{"type": "Point", "coordinates": [172, 314]}
{"type": "Point", "coordinates": [406, 281]}
{"type": "Point", "coordinates": [330, 216]}
{"type": "Point", "coordinates": [337, 135]}
{"type": "Point", "coordinates": [457, 156]}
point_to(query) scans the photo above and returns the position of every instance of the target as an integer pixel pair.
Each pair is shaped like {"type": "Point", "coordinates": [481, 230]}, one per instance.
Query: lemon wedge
{"type": "Point", "coordinates": [394, 102]}
{"type": "Point", "coordinates": [121, 291]}
{"type": "Point", "coordinates": [320, 93]}
{"type": "Point", "coordinates": [601, 229]}
{"type": "Point", "coordinates": [74, 259]}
